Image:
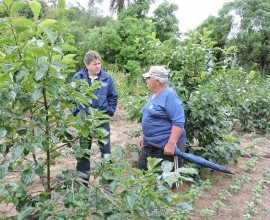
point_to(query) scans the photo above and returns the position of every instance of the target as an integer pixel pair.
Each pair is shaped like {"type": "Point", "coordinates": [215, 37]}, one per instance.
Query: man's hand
{"type": "Point", "coordinates": [141, 141]}
{"type": "Point", "coordinates": [169, 149]}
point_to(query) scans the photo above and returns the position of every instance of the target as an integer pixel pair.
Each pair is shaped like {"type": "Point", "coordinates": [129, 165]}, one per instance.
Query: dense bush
{"type": "Point", "coordinates": [246, 97]}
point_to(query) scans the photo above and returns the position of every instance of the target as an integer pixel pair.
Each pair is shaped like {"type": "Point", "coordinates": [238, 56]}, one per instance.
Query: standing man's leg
{"type": "Point", "coordinates": [105, 148]}
{"type": "Point", "coordinates": [83, 163]}
{"type": "Point", "coordinates": [142, 160]}
{"type": "Point", "coordinates": [148, 151]}
{"type": "Point", "coordinates": [182, 148]}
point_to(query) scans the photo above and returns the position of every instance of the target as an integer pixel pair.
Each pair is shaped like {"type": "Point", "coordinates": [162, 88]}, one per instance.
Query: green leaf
{"type": "Point", "coordinates": [51, 35]}
{"type": "Point", "coordinates": [27, 176]}
{"type": "Point", "coordinates": [48, 23]}
{"type": "Point", "coordinates": [131, 201]}
{"type": "Point", "coordinates": [58, 67]}
{"type": "Point", "coordinates": [251, 75]}
{"type": "Point", "coordinates": [8, 2]}
{"type": "Point", "coordinates": [68, 59]}
{"type": "Point", "coordinates": [69, 48]}
{"type": "Point", "coordinates": [3, 149]}
{"type": "Point", "coordinates": [37, 51]}
{"type": "Point", "coordinates": [152, 162]}
{"type": "Point", "coordinates": [186, 170]}
{"type": "Point", "coordinates": [22, 24]}
{"type": "Point", "coordinates": [40, 73]}
{"type": "Point", "coordinates": [35, 7]}
{"type": "Point", "coordinates": [170, 177]}
{"type": "Point", "coordinates": [17, 150]}
{"type": "Point", "coordinates": [21, 131]}
{"type": "Point", "coordinates": [21, 74]}
{"type": "Point", "coordinates": [3, 170]}
{"type": "Point", "coordinates": [36, 94]}
{"type": "Point", "coordinates": [186, 179]}
{"type": "Point", "coordinates": [16, 6]}
{"type": "Point", "coordinates": [3, 132]}
{"type": "Point", "coordinates": [2, 9]}
{"type": "Point", "coordinates": [61, 9]}
{"type": "Point", "coordinates": [32, 147]}
{"type": "Point", "coordinates": [26, 212]}
{"type": "Point", "coordinates": [58, 49]}
{"type": "Point", "coordinates": [167, 166]}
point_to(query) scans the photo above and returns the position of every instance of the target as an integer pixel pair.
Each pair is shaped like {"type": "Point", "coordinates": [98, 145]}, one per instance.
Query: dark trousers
{"type": "Point", "coordinates": [83, 164]}
{"type": "Point", "coordinates": [148, 151]}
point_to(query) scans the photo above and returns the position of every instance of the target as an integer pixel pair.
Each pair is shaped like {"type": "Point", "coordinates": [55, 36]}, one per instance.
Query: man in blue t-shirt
{"type": "Point", "coordinates": [163, 120]}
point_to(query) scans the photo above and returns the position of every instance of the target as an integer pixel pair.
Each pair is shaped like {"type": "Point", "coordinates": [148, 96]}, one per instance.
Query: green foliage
{"type": "Point", "coordinates": [36, 59]}
{"type": "Point", "coordinates": [134, 104]}
{"type": "Point", "coordinates": [253, 111]}
{"type": "Point", "coordinates": [138, 9]}
{"type": "Point", "coordinates": [120, 191]}
{"type": "Point", "coordinates": [122, 42]}
{"type": "Point", "coordinates": [220, 27]}
{"type": "Point", "coordinates": [246, 97]}
{"type": "Point", "coordinates": [193, 65]}
{"type": "Point", "coordinates": [251, 34]}
{"type": "Point", "coordinates": [206, 119]}
{"type": "Point", "coordinates": [221, 152]}
{"type": "Point", "coordinates": [166, 22]}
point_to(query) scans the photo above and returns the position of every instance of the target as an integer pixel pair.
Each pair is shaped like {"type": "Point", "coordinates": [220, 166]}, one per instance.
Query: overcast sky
{"type": "Point", "coordinates": [190, 14]}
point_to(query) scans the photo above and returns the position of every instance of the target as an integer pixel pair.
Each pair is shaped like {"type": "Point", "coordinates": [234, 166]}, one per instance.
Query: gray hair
{"type": "Point", "coordinates": [162, 80]}
{"type": "Point", "coordinates": [90, 56]}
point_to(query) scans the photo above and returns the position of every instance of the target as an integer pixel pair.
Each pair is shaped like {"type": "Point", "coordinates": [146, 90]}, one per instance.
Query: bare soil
{"type": "Point", "coordinates": [234, 206]}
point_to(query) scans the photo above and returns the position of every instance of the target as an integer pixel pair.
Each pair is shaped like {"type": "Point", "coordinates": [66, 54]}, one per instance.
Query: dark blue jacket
{"type": "Point", "coordinates": [106, 94]}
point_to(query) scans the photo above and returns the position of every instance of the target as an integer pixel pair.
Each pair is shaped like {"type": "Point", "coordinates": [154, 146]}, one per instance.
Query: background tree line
{"type": "Point", "coordinates": [241, 23]}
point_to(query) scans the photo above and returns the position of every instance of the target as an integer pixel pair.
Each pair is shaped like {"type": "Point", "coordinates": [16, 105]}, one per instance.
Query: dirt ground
{"type": "Point", "coordinates": [221, 200]}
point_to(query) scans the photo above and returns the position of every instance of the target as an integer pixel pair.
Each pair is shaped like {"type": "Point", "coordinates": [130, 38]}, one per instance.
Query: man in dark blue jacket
{"type": "Point", "coordinates": [106, 102]}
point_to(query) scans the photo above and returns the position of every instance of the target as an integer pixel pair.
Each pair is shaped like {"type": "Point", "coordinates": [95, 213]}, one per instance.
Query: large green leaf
{"type": "Point", "coordinates": [170, 177]}
{"type": "Point", "coordinates": [36, 94]}
{"type": "Point", "coordinates": [167, 166]}
{"type": "Point", "coordinates": [35, 7]}
{"type": "Point", "coordinates": [27, 176]}
{"type": "Point", "coordinates": [8, 2]}
{"type": "Point", "coordinates": [153, 162]}
{"type": "Point", "coordinates": [3, 170]}
{"type": "Point", "coordinates": [48, 23]}
{"type": "Point", "coordinates": [22, 24]}
{"type": "Point", "coordinates": [131, 200]}
{"type": "Point", "coordinates": [37, 51]}
{"type": "Point", "coordinates": [3, 132]}
{"type": "Point", "coordinates": [25, 213]}
{"type": "Point", "coordinates": [15, 7]}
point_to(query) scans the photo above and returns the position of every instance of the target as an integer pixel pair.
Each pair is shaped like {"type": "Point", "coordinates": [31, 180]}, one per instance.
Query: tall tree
{"type": "Point", "coordinates": [165, 21]}
{"type": "Point", "coordinates": [252, 35]}
{"type": "Point", "coordinates": [220, 27]}
{"type": "Point", "coordinates": [138, 9]}
{"type": "Point", "coordinates": [118, 5]}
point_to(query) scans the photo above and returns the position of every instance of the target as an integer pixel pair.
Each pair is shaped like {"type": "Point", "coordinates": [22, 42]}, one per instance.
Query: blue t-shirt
{"type": "Point", "coordinates": [159, 115]}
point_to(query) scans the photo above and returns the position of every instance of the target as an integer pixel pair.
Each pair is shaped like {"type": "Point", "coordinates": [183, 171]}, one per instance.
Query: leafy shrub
{"type": "Point", "coordinates": [253, 111]}
{"type": "Point", "coordinates": [206, 119]}
{"type": "Point", "coordinates": [246, 97]}
{"type": "Point", "coordinates": [222, 151]}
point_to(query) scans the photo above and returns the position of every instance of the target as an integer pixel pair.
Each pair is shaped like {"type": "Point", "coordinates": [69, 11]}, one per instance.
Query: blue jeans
{"type": "Point", "coordinates": [83, 164]}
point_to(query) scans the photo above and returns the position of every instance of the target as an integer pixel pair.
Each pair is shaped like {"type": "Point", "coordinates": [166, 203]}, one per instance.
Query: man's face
{"type": "Point", "coordinates": [151, 83]}
{"type": "Point", "coordinates": [94, 67]}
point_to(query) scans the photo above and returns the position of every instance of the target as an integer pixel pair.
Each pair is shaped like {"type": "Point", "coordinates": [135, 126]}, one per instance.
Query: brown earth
{"type": "Point", "coordinates": [220, 201]}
